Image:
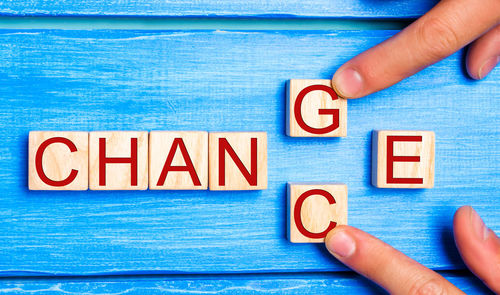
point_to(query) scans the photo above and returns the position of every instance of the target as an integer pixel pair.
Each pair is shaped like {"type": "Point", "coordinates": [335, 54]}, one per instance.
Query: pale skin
{"type": "Point", "coordinates": [449, 26]}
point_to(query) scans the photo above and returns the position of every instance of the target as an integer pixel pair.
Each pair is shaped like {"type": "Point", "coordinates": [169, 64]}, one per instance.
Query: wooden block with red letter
{"type": "Point", "coordinates": [315, 110]}
{"type": "Point", "coordinates": [178, 160]}
{"type": "Point", "coordinates": [314, 209]}
{"type": "Point", "coordinates": [403, 159]}
{"type": "Point", "coordinates": [58, 160]}
{"type": "Point", "coordinates": [237, 160]}
{"type": "Point", "coordinates": [118, 160]}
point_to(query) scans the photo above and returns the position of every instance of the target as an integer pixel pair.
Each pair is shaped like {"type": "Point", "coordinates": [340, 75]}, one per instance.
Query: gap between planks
{"type": "Point", "coordinates": [200, 23]}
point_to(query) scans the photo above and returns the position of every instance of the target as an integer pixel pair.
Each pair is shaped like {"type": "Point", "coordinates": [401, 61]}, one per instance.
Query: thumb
{"type": "Point", "coordinates": [446, 28]}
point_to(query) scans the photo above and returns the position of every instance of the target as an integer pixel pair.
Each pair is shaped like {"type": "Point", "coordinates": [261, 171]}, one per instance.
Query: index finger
{"type": "Point", "coordinates": [446, 28]}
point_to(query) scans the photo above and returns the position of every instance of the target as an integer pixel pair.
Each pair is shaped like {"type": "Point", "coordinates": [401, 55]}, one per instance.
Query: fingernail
{"type": "Point", "coordinates": [480, 229]}
{"type": "Point", "coordinates": [348, 83]}
{"type": "Point", "coordinates": [488, 65]}
{"type": "Point", "coordinates": [340, 244]}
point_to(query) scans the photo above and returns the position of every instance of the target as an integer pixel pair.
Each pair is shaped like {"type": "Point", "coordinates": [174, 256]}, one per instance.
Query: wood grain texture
{"type": "Point", "coordinates": [228, 81]}
{"type": "Point", "coordinates": [301, 283]}
{"type": "Point", "coordinates": [410, 154]}
{"type": "Point", "coordinates": [324, 206]}
{"type": "Point", "coordinates": [311, 106]}
{"type": "Point", "coordinates": [64, 157]}
{"type": "Point", "coordinates": [125, 158]}
{"type": "Point", "coordinates": [237, 161]}
{"type": "Point", "coordinates": [210, 8]}
{"type": "Point", "coordinates": [186, 150]}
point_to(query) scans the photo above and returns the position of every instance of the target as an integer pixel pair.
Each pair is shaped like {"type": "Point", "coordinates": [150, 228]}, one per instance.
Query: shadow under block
{"type": "Point", "coordinates": [313, 209]}
{"type": "Point", "coordinates": [118, 160]}
{"type": "Point", "coordinates": [313, 109]}
{"type": "Point", "coordinates": [403, 159]}
{"type": "Point", "coordinates": [178, 160]}
{"type": "Point", "coordinates": [237, 160]}
{"type": "Point", "coordinates": [58, 160]}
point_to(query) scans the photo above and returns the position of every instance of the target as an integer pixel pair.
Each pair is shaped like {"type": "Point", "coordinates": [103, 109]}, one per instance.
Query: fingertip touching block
{"type": "Point", "coordinates": [403, 159]}
{"type": "Point", "coordinates": [237, 160]}
{"type": "Point", "coordinates": [313, 209]}
{"type": "Point", "coordinates": [118, 160]}
{"type": "Point", "coordinates": [58, 160]}
{"type": "Point", "coordinates": [178, 160]}
{"type": "Point", "coordinates": [314, 109]}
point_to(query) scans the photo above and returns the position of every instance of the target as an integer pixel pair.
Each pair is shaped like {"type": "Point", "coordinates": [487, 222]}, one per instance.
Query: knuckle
{"type": "Point", "coordinates": [430, 287]}
{"type": "Point", "coordinates": [438, 37]}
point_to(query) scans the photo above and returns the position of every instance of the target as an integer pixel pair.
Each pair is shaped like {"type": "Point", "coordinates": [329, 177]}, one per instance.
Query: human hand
{"type": "Point", "coordinates": [399, 274]}
{"type": "Point", "coordinates": [446, 28]}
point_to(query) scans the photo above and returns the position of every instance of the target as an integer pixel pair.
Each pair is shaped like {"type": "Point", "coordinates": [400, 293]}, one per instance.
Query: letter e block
{"type": "Point", "coordinates": [237, 160]}
{"type": "Point", "coordinates": [403, 159]}
{"type": "Point", "coordinates": [178, 160]}
{"type": "Point", "coordinates": [58, 160]}
{"type": "Point", "coordinates": [315, 110]}
{"type": "Point", "coordinates": [118, 160]}
{"type": "Point", "coordinates": [313, 209]}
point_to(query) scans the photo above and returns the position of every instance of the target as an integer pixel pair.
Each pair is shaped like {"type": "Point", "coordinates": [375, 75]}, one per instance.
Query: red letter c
{"type": "Point", "coordinates": [298, 207]}
{"type": "Point", "coordinates": [39, 166]}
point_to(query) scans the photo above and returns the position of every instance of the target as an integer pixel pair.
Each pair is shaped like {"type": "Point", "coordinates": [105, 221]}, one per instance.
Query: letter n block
{"type": "Point", "coordinates": [315, 110]}
{"type": "Point", "coordinates": [237, 160]}
{"type": "Point", "coordinates": [178, 160]}
{"type": "Point", "coordinates": [58, 160]}
{"type": "Point", "coordinates": [118, 160]}
{"type": "Point", "coordinates": [403, 159]}
{"type": "Point", "coordinates": [314, 209]}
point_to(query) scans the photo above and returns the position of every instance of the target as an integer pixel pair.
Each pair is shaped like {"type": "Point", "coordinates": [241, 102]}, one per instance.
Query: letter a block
{"type": "Point", "coordinates": [118, 160]}
{"type": "Point", "coordinates": [58, 160]}
{"type": "Point", "coordinates": [403, 159]}
{"type": "Point", "coordinates": [237, 160]}
{"type": "Point", "coordinates": [178, 160]}
{"type": "Point", "coordinates": [315, 110]}
{"type": "Point", "coordinates": [314, 209]}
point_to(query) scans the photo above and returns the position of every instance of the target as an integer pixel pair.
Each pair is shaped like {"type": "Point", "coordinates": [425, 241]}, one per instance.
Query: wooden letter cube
{"type": "Point", "coordinates": [58, 160]}
{"type": "Point", "coordinates": [178, 160]}
{"type": "Point", "coordinates": [237, 160]}
{"type": "Point", "coordinates": [314, 209]}
{"type": "Point", "coordinates": [403, 159]}
{"type": "Point", "coordinates": [118, 160]}
{"type": "Point", "coordinates": [315, 110]}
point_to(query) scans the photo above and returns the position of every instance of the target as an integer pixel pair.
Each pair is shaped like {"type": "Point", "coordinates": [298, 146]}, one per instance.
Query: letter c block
{"type": "Point", "coordinates": [313, 209]}
{"type": "Point", "coordinates": [313, 109]}
{"type": "Point", "coordinates": [58, 160]}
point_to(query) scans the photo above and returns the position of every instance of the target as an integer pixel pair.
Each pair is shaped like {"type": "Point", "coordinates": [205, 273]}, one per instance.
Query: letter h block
{"type": "Point", "coordinates": [313, 209]}
{"type": "Point", "coordinates": [313, 109]}
{"type": "Point", "coordinates": [118, 160]}
{"type": "Point", "coordinates": [403, 159]}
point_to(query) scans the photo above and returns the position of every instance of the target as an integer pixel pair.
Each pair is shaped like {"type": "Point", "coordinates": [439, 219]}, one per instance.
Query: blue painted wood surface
{"type": "Point", "coordinates": [315, 283]}
{"type": "Point", "coordinates": [225, 8]}
{"type": "Point", "coordinates": [219, 80]}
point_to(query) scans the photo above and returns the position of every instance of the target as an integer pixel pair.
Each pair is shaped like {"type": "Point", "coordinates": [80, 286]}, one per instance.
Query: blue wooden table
{"type": "Point", "coordinates": [226, 80]}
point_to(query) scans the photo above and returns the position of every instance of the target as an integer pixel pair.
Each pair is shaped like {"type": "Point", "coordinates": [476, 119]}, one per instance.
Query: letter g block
{"type": "Point", "coordinates": [314, 110]}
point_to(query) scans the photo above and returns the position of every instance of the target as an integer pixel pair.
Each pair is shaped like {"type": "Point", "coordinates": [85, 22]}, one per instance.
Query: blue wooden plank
{"type": "Point", "coordinates": [226, 8]}
{"type": "Point", "coordinates": [219, 80]}
{"type": "Point", "coordinates": [316, 283]}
